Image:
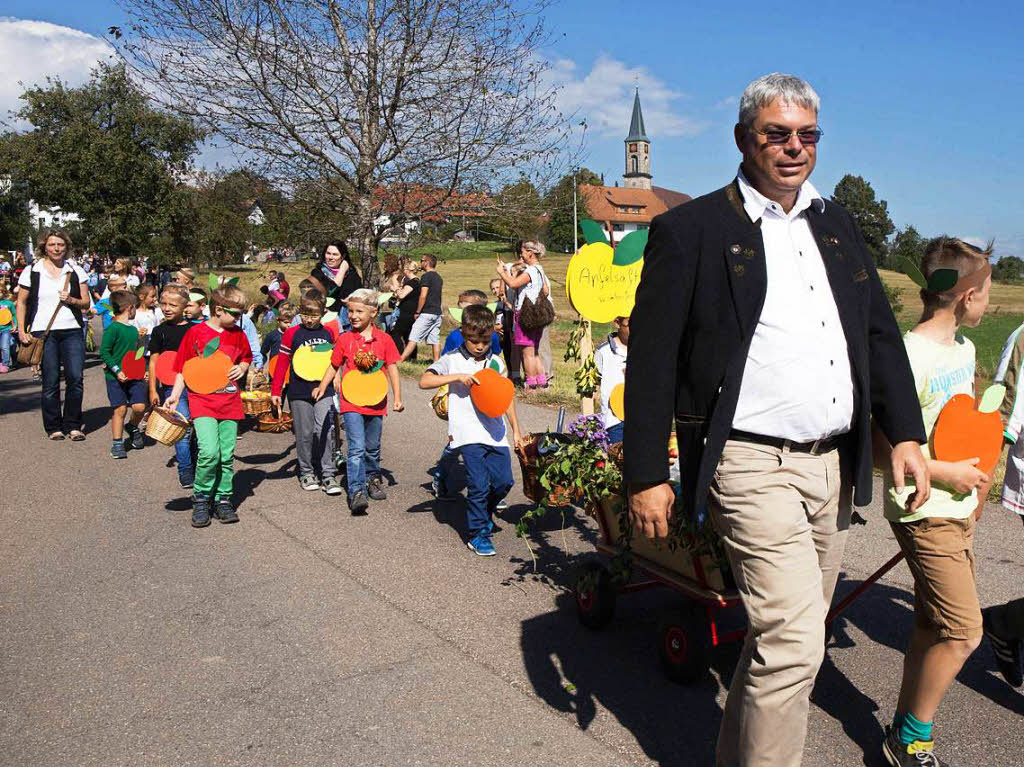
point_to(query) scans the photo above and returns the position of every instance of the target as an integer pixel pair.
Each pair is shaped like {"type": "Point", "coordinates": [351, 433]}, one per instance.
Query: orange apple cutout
{"type": "Point", "coordinates": [493, 395]}
{"type": "Point", "coordinates": [364, 389]}
{"type": "Point", "coordinates": [964, 431]}
{"type": "Point", "coordinates": [165, 368]}
{"type": "Point", "coordinates": [208, 372]}
{"type": "Point", "coordinates": [5, 316]}
{"type": "Point", "coordinates": [272, 366]}
{"type": "Point", "coordinates": [617, 402]}
{"type": "Point", "coordinates": [133, 364]}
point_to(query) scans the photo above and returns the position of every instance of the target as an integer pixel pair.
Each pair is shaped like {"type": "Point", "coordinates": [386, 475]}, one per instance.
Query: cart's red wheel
{"type": "Point", "coordinates": [685, 645]}
{"type": "Point", "coordinates": [595, 595]}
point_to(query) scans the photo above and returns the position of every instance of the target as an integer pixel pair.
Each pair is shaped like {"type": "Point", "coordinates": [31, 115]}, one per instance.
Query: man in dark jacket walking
{"type": "Point", "coordinates": [762, 330]}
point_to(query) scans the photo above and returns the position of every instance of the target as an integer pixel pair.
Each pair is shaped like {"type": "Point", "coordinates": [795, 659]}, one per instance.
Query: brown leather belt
{"type": "Point", "coordinates": [817, 447]}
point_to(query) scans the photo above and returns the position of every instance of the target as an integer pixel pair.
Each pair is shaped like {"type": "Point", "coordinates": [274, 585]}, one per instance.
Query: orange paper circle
{"type": "Point", "coordinates": [165, 373]}
{"type": "Point", "coordinates": [493, 394]}
{"type": "Point", "coordinates": [617, 402]}
{"type": "Point", "coordinates": [205, 375]}
{"type": "Point", "coordinates": [310, 365]}
{"type": "Point", "coordinates": [962, 432]}
{"type": "Point", "coordinates": [5, 316]}
{"type": "Point", "coordinates": [134, 369]}
{"type": "Point", "coordinates": [272, 366]}
{"type": "Point", "coordinates": [364, 389]}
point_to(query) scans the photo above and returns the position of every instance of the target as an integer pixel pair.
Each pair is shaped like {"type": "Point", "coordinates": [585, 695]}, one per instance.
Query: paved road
{"type": "Point", "coordinates": [304, 636]}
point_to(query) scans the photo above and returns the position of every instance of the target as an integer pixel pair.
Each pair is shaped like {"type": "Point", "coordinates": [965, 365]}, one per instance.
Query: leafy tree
{"type": "Point", "coordinates": [907, 246]}
{"type": "Point", "coordinates": [558, 205]}
{"type": "Point", "coordinates": [872, 216]}
{"type": "Point", "coordinates": [15, 223]}
{"type": "Point", "coordinates": [516, 212]}
{"type": "Point", "coordinates": [1008, 268]}
{"type": "Point", "coordinates": [104, 152]}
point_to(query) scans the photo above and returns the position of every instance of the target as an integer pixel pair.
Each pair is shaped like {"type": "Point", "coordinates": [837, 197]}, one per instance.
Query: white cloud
{"type": "Point", "coordinates": [604, 98]}
{"type": "Point", "coordinates": [35, 50]}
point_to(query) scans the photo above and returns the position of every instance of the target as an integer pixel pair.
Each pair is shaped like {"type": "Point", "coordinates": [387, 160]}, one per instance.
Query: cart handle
{"type": "Point", "coordinates": [849, 598]}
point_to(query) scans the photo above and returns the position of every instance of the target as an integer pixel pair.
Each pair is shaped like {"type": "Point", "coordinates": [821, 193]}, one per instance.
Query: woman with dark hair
{"type": "Point", "coordinates": [52, 296]}
{"type": "Point", "coordinates": [336, 272]}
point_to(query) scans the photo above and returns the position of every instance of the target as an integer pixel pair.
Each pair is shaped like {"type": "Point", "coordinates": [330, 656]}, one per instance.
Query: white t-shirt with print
{"type": "Point", "coordinates": [610, 360]}
{"type": "Point", "coordinates": [49, 295]}
{"type": "Point", "coordinates": [466, 424]}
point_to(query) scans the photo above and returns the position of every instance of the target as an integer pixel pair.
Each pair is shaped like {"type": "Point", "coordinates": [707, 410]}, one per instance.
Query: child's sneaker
{"type": "Point", "coordinates": [118, 449]}
{"type": "Point", "coordinates": [224, 512]}
{"type": "Point", "coordinates": [200, 511]}
{"type": "Point", "coordinates": [916, 754]}
{"type": "Point", "coordinates": [331, 486]}
{"type": "Point", "coordinates": [502, 504]}
{"type": "Point", "coordinates": [376, 488]}
{"type": "Point", "coordinates": [482, 545]}
{"type": "Point", "coordinates": [440, 490]}
{"type": "Point", "coordinates": [309, 482]}
{"type": "Point", "coordinates": [186, 479]}
{"type": "Point", "coordinates": [4, 368]}
{"type": "Point", "coordinates": [138, 439]}
{"type": "Point", "coordinates": [1007, 652]}
{"type": "Point", "coordinates": [340, 459]}
{"type": "Point", "coordinates": [358, 503]}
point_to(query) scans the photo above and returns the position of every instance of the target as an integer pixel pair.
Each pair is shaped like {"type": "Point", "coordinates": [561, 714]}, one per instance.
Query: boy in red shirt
{"type": "Point", "coordinates": [355, 350]}
{"type": "Point", "coordinates": [215, 415]}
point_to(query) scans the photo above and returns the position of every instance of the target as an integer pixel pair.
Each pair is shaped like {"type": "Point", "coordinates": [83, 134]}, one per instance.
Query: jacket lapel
{"type": "Point", "coordinates": [745, 262]}
{"type": "Point", "coordinates": [839, 267]}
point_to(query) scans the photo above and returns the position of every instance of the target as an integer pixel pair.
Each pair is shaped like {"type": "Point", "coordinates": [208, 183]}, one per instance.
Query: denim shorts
{"type": "Point", "coordinates": [426, 329]}
{"type": "Point", "coordinates": [127, 393]}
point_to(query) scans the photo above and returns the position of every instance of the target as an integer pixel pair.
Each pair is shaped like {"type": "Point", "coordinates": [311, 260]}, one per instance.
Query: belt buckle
{"type": "Point", "coordinates": [815, 445]}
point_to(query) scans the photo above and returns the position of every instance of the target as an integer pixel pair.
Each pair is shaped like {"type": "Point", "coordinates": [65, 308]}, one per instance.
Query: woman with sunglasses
{"type": "Point", "coordinates": [53, 296]}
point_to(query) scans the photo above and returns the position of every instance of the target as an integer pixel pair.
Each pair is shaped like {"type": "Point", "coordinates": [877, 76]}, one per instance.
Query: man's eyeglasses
{"type": "Point", "coordinates": [782, 136]}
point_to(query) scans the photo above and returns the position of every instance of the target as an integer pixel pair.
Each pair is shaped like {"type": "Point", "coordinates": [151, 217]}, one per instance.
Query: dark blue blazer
{"type": "Point", "coordinates": [699, 300]}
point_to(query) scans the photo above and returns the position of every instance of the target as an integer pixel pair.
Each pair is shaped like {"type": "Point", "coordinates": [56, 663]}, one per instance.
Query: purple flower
{"type": "Point", "coordinates": [589, 428]}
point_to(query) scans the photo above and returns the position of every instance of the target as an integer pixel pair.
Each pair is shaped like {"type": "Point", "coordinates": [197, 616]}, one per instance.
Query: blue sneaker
{"type": "Point", "coordinates": [481, 545]}
{"type": "Point", "coordinates": [441, 491]}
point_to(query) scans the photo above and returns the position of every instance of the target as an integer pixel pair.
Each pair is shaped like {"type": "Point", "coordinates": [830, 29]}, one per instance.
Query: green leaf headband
{"type": "Point", "coordinates": [946, 280]}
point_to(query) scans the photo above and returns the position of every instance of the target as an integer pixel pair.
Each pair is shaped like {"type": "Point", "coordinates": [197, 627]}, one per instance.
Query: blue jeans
{"type": "Point", "coordinates": [62, 349]}
{"type": "Point", "coordinates": [5, 347]}
{"type": "Point", "coordinates": [363, 433]}
{"type": "Point", "coordinates": [184, 449]}
{"type": "Point", "coordinates": [449, 458]}
{"type": "Point", "coordinates": [488, 481]}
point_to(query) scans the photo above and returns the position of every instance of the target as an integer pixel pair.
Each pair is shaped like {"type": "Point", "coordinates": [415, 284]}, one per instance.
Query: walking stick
{"type": "Point", "coordinates": [848, 600]}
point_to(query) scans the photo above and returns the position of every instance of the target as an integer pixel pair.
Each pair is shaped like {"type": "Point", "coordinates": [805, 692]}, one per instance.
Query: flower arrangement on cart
{"type": "Point", "coordinates": [581, 468]}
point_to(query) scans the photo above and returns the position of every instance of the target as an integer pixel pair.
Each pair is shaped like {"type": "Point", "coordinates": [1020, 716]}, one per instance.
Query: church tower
{"type": "Point", "coordinates": [638, 150]}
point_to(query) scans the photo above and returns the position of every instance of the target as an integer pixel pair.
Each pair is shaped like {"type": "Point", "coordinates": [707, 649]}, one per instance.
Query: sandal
{"type": "Point", "coordinates": [57, 436]}
{"type": "Point", "coordinates": [76, 435]}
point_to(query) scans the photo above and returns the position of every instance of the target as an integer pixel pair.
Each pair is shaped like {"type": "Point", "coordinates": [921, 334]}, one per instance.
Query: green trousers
{"type": "Point", "coordinates": [215, 464]}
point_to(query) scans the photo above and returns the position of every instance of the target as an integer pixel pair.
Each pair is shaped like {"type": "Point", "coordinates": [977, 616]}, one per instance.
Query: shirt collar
{"type": "Point", "coordinates": [467, 356]}
{"type": "Point", "coordinates": [755, 203]}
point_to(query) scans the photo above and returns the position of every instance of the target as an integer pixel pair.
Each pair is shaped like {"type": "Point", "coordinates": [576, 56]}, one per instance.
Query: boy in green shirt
{"type": "Point", "coordinates": [124, 366]}
{"type": "Point", "coordinates": [938, 538]}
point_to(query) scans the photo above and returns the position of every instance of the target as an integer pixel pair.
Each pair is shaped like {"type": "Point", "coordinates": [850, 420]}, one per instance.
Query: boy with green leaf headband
{"type": "Point", "coordinates": [125, 389]}
{"type": "Point", "coordinates": [937, 539]}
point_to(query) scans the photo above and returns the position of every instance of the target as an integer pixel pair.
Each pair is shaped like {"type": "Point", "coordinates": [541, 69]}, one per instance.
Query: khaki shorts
{"type": "Point", "coordinates": [940, 554]}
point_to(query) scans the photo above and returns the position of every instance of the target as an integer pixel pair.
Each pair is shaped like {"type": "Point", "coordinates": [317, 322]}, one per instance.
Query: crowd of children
{"type": "Point", "coordinates": [350, 387]}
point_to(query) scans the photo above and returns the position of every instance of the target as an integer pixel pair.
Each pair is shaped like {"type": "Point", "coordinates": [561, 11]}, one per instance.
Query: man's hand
{"type": "Point", "coordinates": [907, 459]}
{"type": "Point", "coordinates": [651, 507]}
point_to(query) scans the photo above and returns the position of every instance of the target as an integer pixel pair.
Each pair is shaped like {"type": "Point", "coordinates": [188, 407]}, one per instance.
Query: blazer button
{"type": "Point", "coordinates": [735, 249]}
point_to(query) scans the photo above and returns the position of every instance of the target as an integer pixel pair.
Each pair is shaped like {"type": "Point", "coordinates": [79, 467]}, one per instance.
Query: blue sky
{"type": "Point", "coordinates": [922, 99]}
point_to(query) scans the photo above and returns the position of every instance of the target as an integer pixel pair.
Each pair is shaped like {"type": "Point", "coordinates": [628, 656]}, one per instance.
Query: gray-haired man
{"type": "Point", "coordinates": [785, 349]}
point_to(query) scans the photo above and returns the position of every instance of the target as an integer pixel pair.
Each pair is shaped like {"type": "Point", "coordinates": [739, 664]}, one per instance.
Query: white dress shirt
{"type": "Point", "coordinates": [797, 383]}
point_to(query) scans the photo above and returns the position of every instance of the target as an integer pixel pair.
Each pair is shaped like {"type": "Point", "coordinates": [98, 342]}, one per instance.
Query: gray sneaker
{"type": "Point", "coordinates": [358, 503]}
{"type": "Point", "coordinates": [376, 488]}
{"type": "Point", "coordinates": [309, 482]}
{"type": "Point", "coordinates": [331, 486]}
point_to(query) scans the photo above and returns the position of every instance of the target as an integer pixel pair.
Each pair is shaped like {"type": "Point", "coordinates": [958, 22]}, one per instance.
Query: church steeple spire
{"type": "Point", "coordinates": [637, 132]}
{"type": "Point", "coordinates": [638, 150]}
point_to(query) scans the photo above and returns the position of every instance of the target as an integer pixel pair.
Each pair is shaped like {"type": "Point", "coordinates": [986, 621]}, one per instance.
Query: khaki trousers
{"type": "Point", "coordinates": [783, 519]}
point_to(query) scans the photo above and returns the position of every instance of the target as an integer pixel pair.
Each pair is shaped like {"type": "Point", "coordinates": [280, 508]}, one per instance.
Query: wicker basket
{"type": "Point", "coordinates": [255, 402]}
{"type": "Point", "coordinates": [528, 454]}
{"type": "Point", "coordinates": [275, 424]}
{"type": "Point", "coordinates": [166, 426]}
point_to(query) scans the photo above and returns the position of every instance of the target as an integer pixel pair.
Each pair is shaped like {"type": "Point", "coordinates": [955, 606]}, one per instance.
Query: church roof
{"type": "Point", "coordinates": [621, 204]}
{"type": "Point", "coordinates": [637, 132]}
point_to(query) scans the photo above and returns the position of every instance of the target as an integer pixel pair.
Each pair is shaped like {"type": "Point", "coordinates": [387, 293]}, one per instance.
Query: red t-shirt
{"type": "Point", "coordinates": [343, 358]}
{"type": "Point", "coordinates": [225, 404]}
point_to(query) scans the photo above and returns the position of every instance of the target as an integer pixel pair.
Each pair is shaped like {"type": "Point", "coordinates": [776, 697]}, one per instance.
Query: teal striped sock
{"type": "Point", "coordinates": [914, 729]}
